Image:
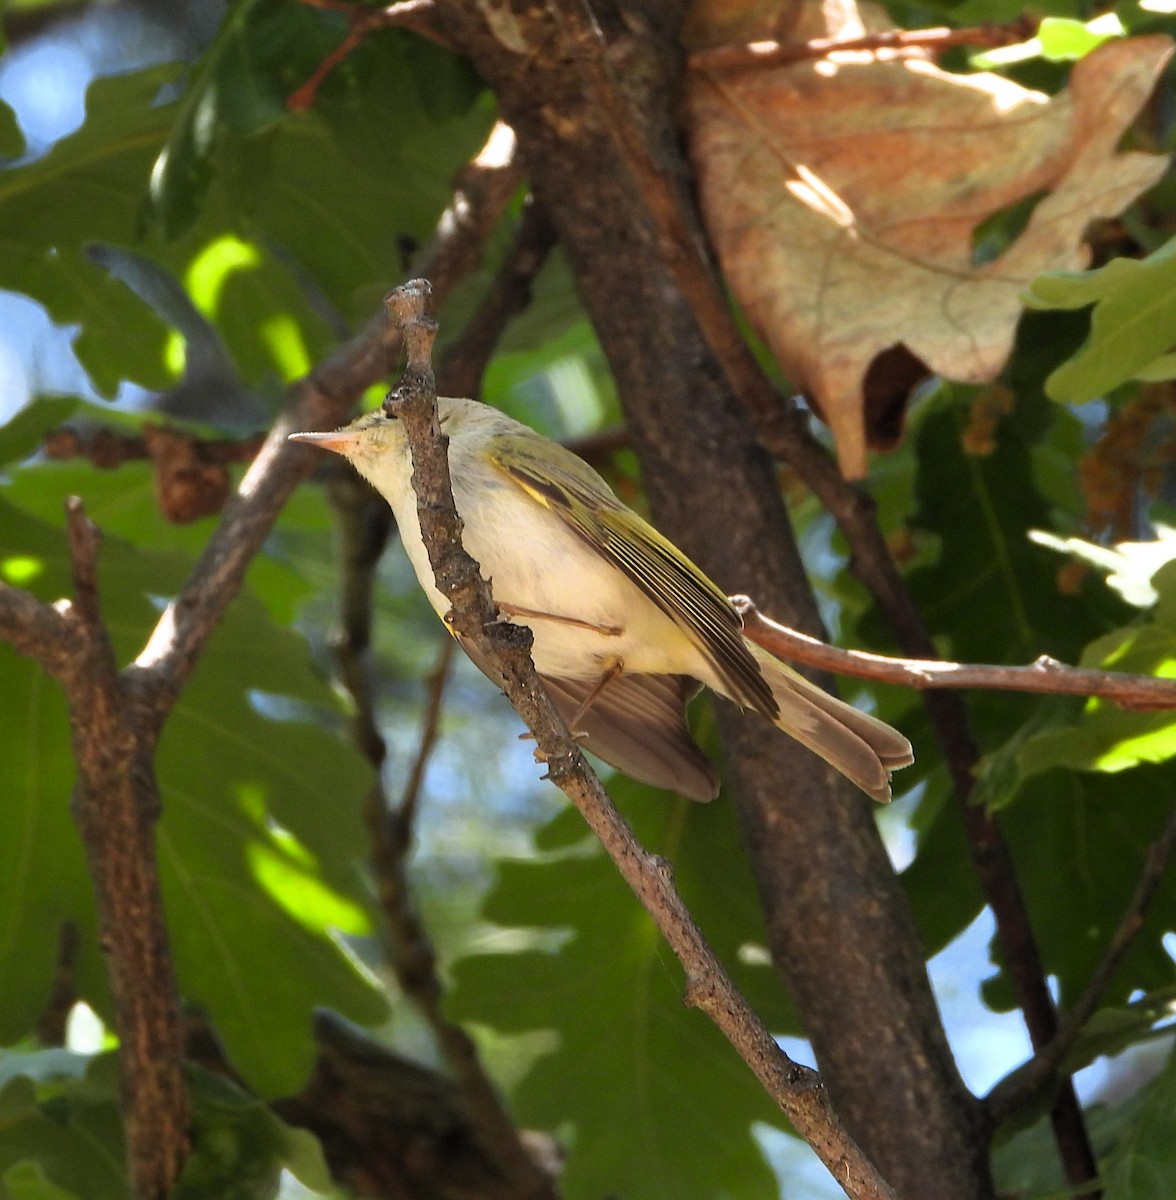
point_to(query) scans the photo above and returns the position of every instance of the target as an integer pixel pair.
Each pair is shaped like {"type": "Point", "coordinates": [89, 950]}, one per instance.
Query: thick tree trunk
{"type": "Point", "coordinates": [840, 929]}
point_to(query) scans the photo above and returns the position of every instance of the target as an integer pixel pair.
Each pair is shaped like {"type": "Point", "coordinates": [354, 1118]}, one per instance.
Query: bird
{"type": "Point", "coordinates": [627, 629]}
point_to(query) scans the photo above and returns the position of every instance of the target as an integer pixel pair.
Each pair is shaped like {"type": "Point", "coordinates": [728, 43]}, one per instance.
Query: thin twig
{"type": "Point", "coordinates": [404, 818]}
{"type": "Point", "coordinates": [411, 952]}
{"type": "Point", "coordinates": [759, 55]}
{"type": "Point", "coordinates": [1138, 693]}
{"type": "Point", "coordinates": [63, 991]}
{"type": "Point", "coordinates": [364, 524]}
{"type": "Point", "coordinates": [417, 15]}
{"type": "Point", "coordinates": [797, 1089]}
{"type": "Point", "coordinates": [464, 361]}
{"type": "Point", "coordinates": [1039, 1072]}
{"type": "Point", "coordinates": [84, 542]}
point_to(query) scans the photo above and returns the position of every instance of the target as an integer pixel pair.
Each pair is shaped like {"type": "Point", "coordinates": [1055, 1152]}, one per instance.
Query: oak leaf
{"type": "Point", "coordinates": [842, 196]}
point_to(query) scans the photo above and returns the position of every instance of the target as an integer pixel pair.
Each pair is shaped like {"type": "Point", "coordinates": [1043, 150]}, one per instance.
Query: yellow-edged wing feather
{"type": "Point", "coordinates": [568, 487]}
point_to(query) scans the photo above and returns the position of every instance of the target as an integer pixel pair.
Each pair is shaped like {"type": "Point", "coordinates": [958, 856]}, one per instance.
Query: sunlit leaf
{"type": "Point", "coordinates": [1131, 326]}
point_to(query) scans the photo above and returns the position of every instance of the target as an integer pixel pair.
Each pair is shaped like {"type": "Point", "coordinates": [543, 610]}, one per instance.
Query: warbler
{"type": "Point", "coordinates": [626, 628]}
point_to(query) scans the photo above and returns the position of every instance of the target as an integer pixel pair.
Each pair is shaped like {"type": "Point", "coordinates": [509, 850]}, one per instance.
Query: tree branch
{"type": "Point", "coordinates": [37, 630]}
{"type": "Point", "coordinates": [784, 433]}
{"type": "Point", "coordinates": [411, 952]}
{"type": "Point", "coordinates": [1138, 693]}
{"type": "Point", "coordinates": [604, 154]}
{"type": "Point", "coordinates": [796, 1089]}
{"type": "Point", "coordinates": [321, 399]}
{"type": "Point", "coordinates": [115, 719]}
{"type": "Point", "coordinates": [115, 805]}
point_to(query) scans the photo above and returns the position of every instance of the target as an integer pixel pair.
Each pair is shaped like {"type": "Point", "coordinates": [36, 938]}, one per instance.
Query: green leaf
{"type": "Point", "coordinates": [261, 52]}
{"type": "Point", "coordinates": [1028, 1164]}
{"type": "Point", "coordinates": [659, 1104]}
{"type": "Point", "coordinates": [90, 186]}
{"type": "Point", "coordinates": [1143, 1164]}
{"type": "Point", "coordinates": [1059, 39]}
{"type": "Point", "coordinates": [1107, 737]}
{"type": "Point", "coordinates": [123, 503]}
{"type": "Point", "coordinates": [12, 143]}
{"type": "Point", "coordinates": [26, 1181]}
{"type": "Point", "coordinates": [297, 234]}
{"type": "Point", "coordinates": [1158, 370]}
{"type": "Point", "coordinates": [1066, 40]}
{"type": "Point", "coordinates": [22, 434]}
{"type": "Point", "coordinates": [1127, 566]}
{"type": "Point", "coordinates": [73, 1137]}
{"type": "Point", "coordinates": [1079, 841]}
{"type": "Point", "coordinates": [240, 1147]}
{"type": "Point", "coordinates": [1131, 326]}
{"type": "Point", "coordinates": [1114, 1029]}
{"type": "Point", "coordinates": [989, 594]}
{"type": "Point", "coordinates": [259, 837]}
{"type": "Point", "coordinates": [992, 591]}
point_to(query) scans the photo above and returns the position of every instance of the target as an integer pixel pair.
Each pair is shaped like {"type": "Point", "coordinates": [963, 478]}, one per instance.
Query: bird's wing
{"type": "Point", "coordinates": [568, 487]}
{"type": "Point", "coordinates": [638, 725]}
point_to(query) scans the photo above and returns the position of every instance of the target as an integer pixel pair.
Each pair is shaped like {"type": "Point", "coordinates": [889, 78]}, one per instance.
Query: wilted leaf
{"type": "Point", "coordinates": [843, 194]}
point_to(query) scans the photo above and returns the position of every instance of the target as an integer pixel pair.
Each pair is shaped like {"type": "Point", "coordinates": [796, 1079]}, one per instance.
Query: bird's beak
{"type": "Point", "coordinates": [340, 440]}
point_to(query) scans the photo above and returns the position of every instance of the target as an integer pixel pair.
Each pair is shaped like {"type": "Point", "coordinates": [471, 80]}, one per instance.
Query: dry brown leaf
{"type": "Point", "coordinates": [842, 197]}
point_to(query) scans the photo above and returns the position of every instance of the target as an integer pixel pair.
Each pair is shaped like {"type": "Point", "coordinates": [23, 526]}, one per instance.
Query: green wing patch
{"type": "Point", "coordinates": [671, 580]}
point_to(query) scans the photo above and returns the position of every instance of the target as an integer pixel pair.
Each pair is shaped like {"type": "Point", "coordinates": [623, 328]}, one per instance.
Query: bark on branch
{"type": "Point", "coordinates": [796, 1089]}
{"type": "Point", "coordinates": [1138, 693]}
{"type": "Point", "coordinates": [365, 519]}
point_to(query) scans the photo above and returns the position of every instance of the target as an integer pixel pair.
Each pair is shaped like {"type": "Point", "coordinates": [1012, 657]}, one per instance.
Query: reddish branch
{"type": "Point", "coordinates": [417, 15]}
{"type": "Point", "coordinates": [107, 448]}
{"type": "Point", "coordinates": [758, 55]}
{"type": "Point", "coordinates": [1135, 692]}
{"type": "Point", "coordinates": [797, 1089]}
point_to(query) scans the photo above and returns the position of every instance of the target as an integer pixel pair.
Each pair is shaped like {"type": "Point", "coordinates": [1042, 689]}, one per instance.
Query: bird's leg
{"type": "Point", "coordinates": [611, 672]}
{"type": "Point", "coordinates": [529, 614]}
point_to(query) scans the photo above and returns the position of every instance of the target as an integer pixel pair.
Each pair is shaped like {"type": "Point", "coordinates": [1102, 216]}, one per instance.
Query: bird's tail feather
{"type": "Point", "coordinates": [864, 749]}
